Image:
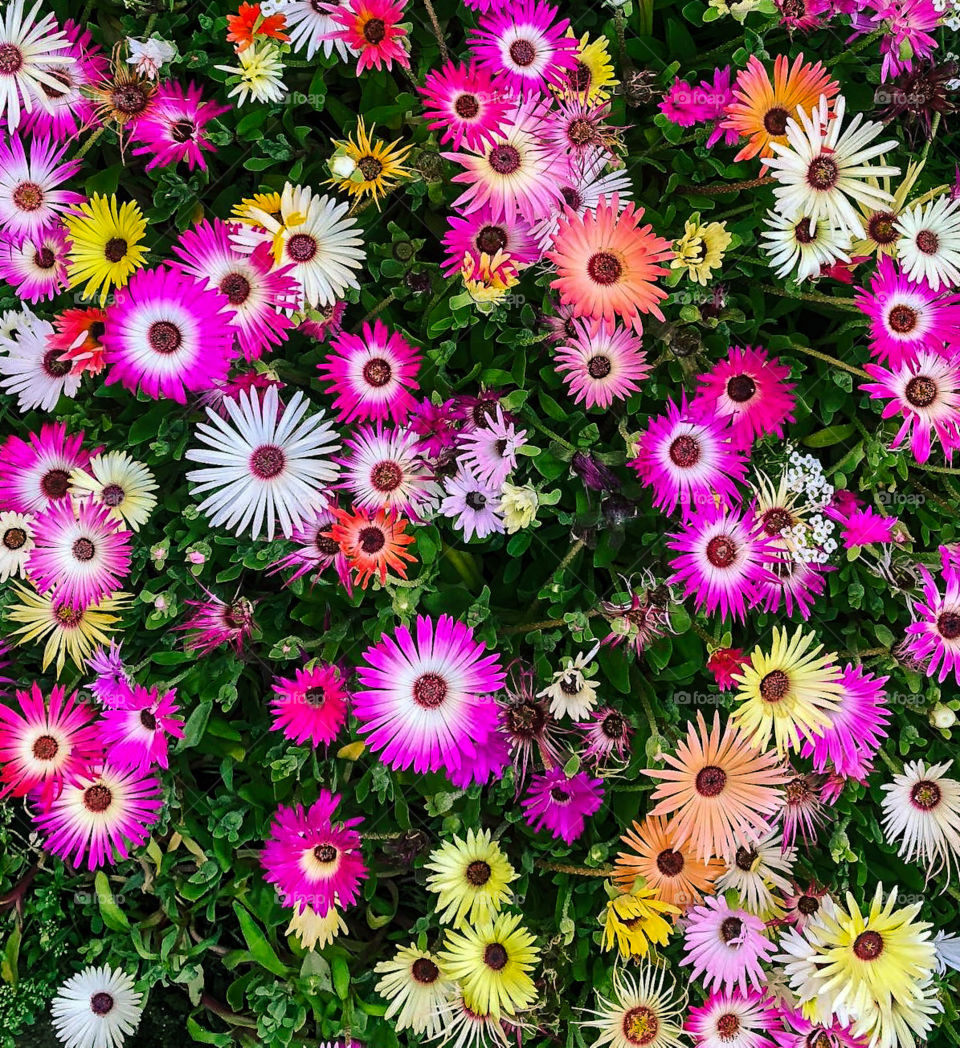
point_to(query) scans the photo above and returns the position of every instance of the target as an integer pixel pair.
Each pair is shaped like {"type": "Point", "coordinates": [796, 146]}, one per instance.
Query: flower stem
{"type": "Point", "coordinates": [933, 134]}
{"type": "Point", "coordinates": [831, 360]}
{"type": "Point", "coordinates": [544, 624]}
{"type": "Point", "coordinates": [722, 189]}
{"type": "Point", "coordinates": [857, 47]}
{"type": "Point", "coordinates": [537, 424]}
{"type": "Point", "coordinates": [437, 32]}
{"type": "Point", "coordinates": [812, 296]}
{"type": "Point", "coordinates": [939, 469]}
{"type": "Point", "coordinates": [576, 871]}
{"type": "Point", "coordinates": [377, 309]}
{"type": "Point", "coordinates": [85, 148]}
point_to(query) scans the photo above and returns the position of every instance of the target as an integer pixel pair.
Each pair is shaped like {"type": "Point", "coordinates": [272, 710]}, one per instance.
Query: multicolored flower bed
{"type": "Point", "coordinates": [478, 524]}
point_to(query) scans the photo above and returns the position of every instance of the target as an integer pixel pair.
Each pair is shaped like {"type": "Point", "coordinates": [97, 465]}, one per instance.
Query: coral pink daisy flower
{"type": "Point", "coordinates": [422, 701]}
{"type": "Point", "coordinates": [311, 860]}
{"type": "Point", "coordinates": [167, 334]}
{"type": "Point", "coordinates": [372, 543]}
{"type": "Point", "coordinates": [173, 128]}
{"type": "Point", "coordinates": [602, 366]}
{"type": "Point", "coordinates": [371, 375]}
{"type": "Point", "coordinates": [933, 638]}
{"type": "Point", "coordinates": [30, 195]}
{"type": "Point", "coordinates": [907, 317]}
{"type": "Point", "coordinates": [36, 471]}
{"type": "Point", "coordinates": [465, 105]}
{"type": "Point", "coordinates": [80, 554]}
{"type": "Point", "coordinates": [722, 557]}
{"type": "Point", "coordinates": [749, 390]}
{"type": "Point", "coordinates": [310, 706]}
{"type": "Point", "coordinates": [136, 734]}
{"type": "Point", "coordinates": [43, 745]}
{"type": "Point", "coordinates": [726, 946]}
{"type": "Point", "coordinates": [101, 816]}
{"type": "Point", "coordinates": [372, 30]}
{"type": "Point", "coordinates": [731, 1019]}
{"type": "Point", "coordinates": [607, 263]}
{"type": "Point", "coordinates": [926, 392]}
{"type": "Point", "coordinates": [560, 804]}
{"type": "Point", "coordinates": [687, 460]}
{"type": "Point", "coordinates": [857, 724]}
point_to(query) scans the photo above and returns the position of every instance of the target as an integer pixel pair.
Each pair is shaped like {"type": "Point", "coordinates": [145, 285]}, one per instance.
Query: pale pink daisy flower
{"type": "Point", "coordinates": [311, 706]}
{"type": "Point", "coordinates": [311, 860]}
{"type": "Point", "coordinates": [37, 268]}
{"type": "Point", "coordinates": [491, 450]}
{"type": "Point", "coordinates": [31, 55]}
{"type": "Point", "coordinates": [795, 584]}
{"type": "Point", "coordinates": [728, 947]}
{"type": "Point", "coordinates": [30, 195]}
{"type": "Point", "coordinates": [36, 472]}
{"type": "Point", "coordinates": [561, 804]}
{"type": "Point", "coordinates": [603, 366]}
{"type": "Point", "coordinates": [465, 105]}
{"type": "Point", "coordinates": [383, 469]}
{"type": "Point", "coordinates": [734, 1019]}
{"type": "Point", "coordinates": [800, 1032]}
{"type": "Point", "coordinates": [606, 734]}
{"type": "Point", "coordinates": [933, 638]}
{"type": "Point", "coordinates": [36, 374]}
{"type": "Point", "coordinates": [137, 734]}
{"type": "Point", "coordinates": [803, 810]}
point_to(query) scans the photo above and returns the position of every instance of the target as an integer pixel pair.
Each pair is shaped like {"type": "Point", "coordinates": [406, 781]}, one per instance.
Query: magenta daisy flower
{"type": "Point", "coordinates": [137, 734]}
{"type": "Point", "coordinates": [173, 128]}
{"type": "Point", "coordinates": [311, 706]}
{"type": "Point", "coordinates": [36, 471]}
{"type": "Point", "coordinates": [383, 469]}
{"type": "Point", "coordinates": [723, 555]}
{"type": "Point", "coordinates": [114, 683]}
{"type": "Point", "coordinates": [933, 638]}
{"type": "Point", "coordinates": [255, 293]}
{"type": "Point", "coordinates": [602, 366]}
{"type": "Point", "coordinates": [311, 860]}
{"type": "Point", "coordinates": [472, 504]}
{"type": "Point", "coordinates": [909, 27]}
{"type": "Point", "coordinates": [167, 334]}
{"type": "Point", "coordinates": [371, 375]}
{"type": "Point", "coordinates": [734, 1019]}
{"type": "Point", "coordinates": [465, 105]}
{"type": "Point", "coordinates": [215, 623]}
{"type": "Point", "coordinates": [516, 173]}
{"type": "Point", "coordinates": [860, 526]}
{"type": "Point", "coordinates": [606, 733]}
{"type": "Point", "coordinates": [725, 946]}
{"type": "Point", "coordinates": [491, 450]}
{"type": "Point", "coordinates": [907, 317]}
{"type": "Point", "coordinates": [488, 766]}
{"type": "Point", "coordinates": [857, 724]}
{"type": "Point", "coordinates": [79, 555]}
{"type": "Point", "coordinates": [524, 44]}
{"type": "Point", "coordinates": [328, 324]}
{"type": "Point", "coordinates": [436, 427]}
{"type": "Point", "coordinates": [926, 393]}
{"type": "Point", "coordinates": [482, 234]}
{"type": "Point", "coordinates": [799, 1032]}
{"type": "Point", "coordinates": [422, 703]}
{"type": "Point", "coordinates": [43, 745]}
{"type": "Point", "coordinates": [561, 804]}
{"type": "Point", "coordinates": [749, 390]}
{"type": "Point", "coordinates": [101, 816]}
{"type": "Point", "coordinates": [37, 267]}
{"type": "Point", "coordinates": [30, 197]}
{"type": "Point", "coordinates": [686, 459]}
{"type": "Point", "coordinates": [795, 584]}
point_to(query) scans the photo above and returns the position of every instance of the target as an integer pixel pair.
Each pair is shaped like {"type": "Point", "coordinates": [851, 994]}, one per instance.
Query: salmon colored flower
{"type": "Point", "coordinates": [372, 543]}
{"type": "Point", "coordinates": [249, 22]}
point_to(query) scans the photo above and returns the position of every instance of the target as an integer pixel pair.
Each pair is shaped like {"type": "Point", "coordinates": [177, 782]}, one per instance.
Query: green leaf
{"type": "Point", "coordinates": [825, 438]}
{"type": "Point", "coordinates": [196, 725]}
{"type": "Point", "coordinates": [113, 917]}
{"type": "Point", "coordinates": [258, 944]}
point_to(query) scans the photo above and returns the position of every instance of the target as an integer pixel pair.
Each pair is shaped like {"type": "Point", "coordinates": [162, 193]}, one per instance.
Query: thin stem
{"type": "Point", "coordinates": [857, 47]}
{"type": "Point", "coordinates": [832, 360]}
{"type": "Point", "coordinates": [866, 653]}
{"type": "Point", "coordinates": [703, 635]}
{"type": "Point", "coordinates": [437, 32]}
{"type": "Point", "coordinates": [939, 469]}
{"type": "Point", "coordinates": [576, 871]}
{"type": "Point", "coordinates": [933, 134]}
{"type": "Point", "coordinates": [812, 296]}
{"type": "Point", "coordinates": [544, 624]}
{"type": "Point", "coordinates": [722, 189]}
{"type": "Point", "coordinates": [377, 309]}
{"type": "Point", "coordinates": [537, 424]}
{"type": "Point", "coordinates": [85, 148]}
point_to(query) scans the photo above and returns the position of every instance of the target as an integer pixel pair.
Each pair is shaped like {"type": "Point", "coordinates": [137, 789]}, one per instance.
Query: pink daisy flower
{"type": "Point", "coordinates": [256, 294]}
{"type": "Point", "coordinates": [167, 334]}
{"type": "Point", "coordinates": [371, 375]}
{"type": "Point", "coordinates": [517, 172]}
{"type": "Point", "coordinates": [37, 267]}
{"type": "Point", "coordinates": [113, 685]}
{"type": "Point", "coordinates": [435, 426]}
{"type": "Point", "coordinates": [525, 45]}
{"type": "Point", "coordinates": [803, 809]}
{"type": "Point", "coordinates": [603, 366]}
{"type": "Point", "coordinates": [137, 734]}
{"type": "Point", "coordinates": [926, 393]}
{"type": "Point", "coordinates": [861, 526]}
{"type": "Point", "coordinates": [80, 554]}
{"type": "Point", "coordinates": [857, 725]}
{"type": "Point", "coordinates": [312, 706]}
{"type": "Point", "coordinates": [465, 105]}
{"type": "Point", "coordinates": [684, 105]}
{"type": "Point", "coordinates": [311, 860]}
{"type": "Point", "coordinates": [327, 324]}
{"type": "Point", "coordinates": [907, 317]}
{"type": "Point", "coordinates": [215, 623]}
{"type": "Point", "coordinates": [315, 552]}
{"type": "Point", "coordinates": [30, 197]}
{"type": "Point", "coordinates": [799, 1032]}
{"type": "Point", "coordinates": [722, 557]}
{"type": "Point", "coordinates": [606, 734]}
{"type": "Point", "coordinates": [561, 804]}
{"type": "Point", "coordinates": [734, 1019]}
{"type": "Point", "coordinates": [726, 946]}
{"type": "Point", "coordinates": [101, 817]}
{"type": "Point", "coordinates": [795, 584]}
{"type": "Point", "coordinates": [422, 703]}
{"type": "Point", "coordinates": [719, 94]}
{"type": "Point", "coordinates": [383, 469]}
{"type": "Point", "coordinates": [217, 397]}
{"type": "Point", "coordinates": [805, 15]}
{"type": "Point", "coordinates": [803, 904]}
{"type": "Point", "coordinates": [723, 663]}
{"type": "Point", "coordinates": [488, 766]}
{"type": "Point", "coordinates": [491, 450]}
{"type": "Point", "coordinates": [371, 29]}
{"type": "Point", "coordinates": [482, 234]}
{"type": "Point", "coordinates": [43, 745]}
{"type": "Point", "coordinates": [908, 26]}
{"type": "Point", "coordinates": [173, 128]}
{"type": "Point", "coordinates": [933, 638]}
{"type": "Point", "coordinates": [749, 391]}
{"type": "Point", "coordinates": [36, 471]}
{"type": "Point", "coordinates": [687, 460]}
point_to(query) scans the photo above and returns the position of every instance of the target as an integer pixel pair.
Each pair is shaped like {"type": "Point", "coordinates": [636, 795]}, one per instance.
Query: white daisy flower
{"type": "Point", "coordinates": [571, 692]}
{"type": "Point", "coordinates": [948, 952]}
{"type": "Point", "coordinates": [259, 75]}
{"type": "Point", "coordinates": [803, 244]}
{"type": "Point", "coordinates": [921, 812]}
{"type": "Point", "coordinates": [754, 872]}
{"type": "Point", "coordinates": [418, 990]}
{"type": "Point", "coordinates": [96, 1009]}
{"type": "Point", "coordinates": [821, 166]}
{"type": "Point", "coordinates": [384, 469]}
{"type": "Point", "coordinates": [28, 60]}
{"type": "Point", "coordinates": [36, 375]}
{"type": "Point", "coordinates": [264, 465]}
{"type": "Point", "coordinates": [16, 542]}
{"type": "Point", "coordinates": [308, 26]}
{"type": "Point", "coordinates": [929, 245]}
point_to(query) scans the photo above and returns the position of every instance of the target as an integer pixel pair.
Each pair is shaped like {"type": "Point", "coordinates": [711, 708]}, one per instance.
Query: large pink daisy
{"type": "Point", "coordinates": [464, 105]}
{"type": "Point", "coordinates": [37, 267]}
{"type": "Point", "coordinates": [479, 233]}
{"type": "Point", "coordinates": [173, 128]}
{"type": "Point", "coordinates": [933, 638]}
{"type": "Point", "coordinates": [726, 946]}
{"type": "Point", "coordinates": [137, 734]}
{"type": "Point", "coordinates": [731, 1019]}
{"type": "Point", "coordinates": [601, 366]}
{"type": "Point", "coordinates": [36, 471]}
{"type": "Point", "coordinates": [383, 469]}
{"type": "Point", "coordinates": [857, 724]}
{"type": "Point", "coordinates": [30, 195]}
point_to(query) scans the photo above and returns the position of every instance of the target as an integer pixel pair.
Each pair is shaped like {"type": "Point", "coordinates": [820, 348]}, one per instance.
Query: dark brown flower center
{"type": "Point", "coordinates": [115, 249]}
{"type": "Point", "coordinates": [44, 258]}
{"type": "Point", "coordinates": [685, 451]}
{"type": "Point", "coordinates": [505, 159]}
{"type": "Point", "coordinates": [478, 873]}
{"type": "Point", "coordinates": [495, 956]}
{"type": "Point", "coordinates": [182, 130]}
{"type": "Point", "coordinates": [823, 173]}
{"type": "Point", "coordinates": [377, 372]}
{"type": "Point", "coordinates": [491, 239]}
{"type": "Point", "coordinates": [613, 726]}
{"type": "Point", "coordinates": [808, 905]}
{"type": "Point", "coordinates": [267, 461]}
{"type": "Point", "coordinates": [710, 781]}
{"type": "Point", "coordinates": [775, 520]}
{"type": "Point", "coordinates": [129, 99]}
{"type": "Point", "coordinates": [236, 287]}
{"type": "Point", "coordinates": [476, 500]}
{"type": "Point", "coordinates": [948, 625]}
{"type": "Point", "coordinates": [721, 551]}
{"type": "Point", "coordinates": [881, 228]}
{"type": "Point", "coordinates": [386, 476]}
{"type": "Point", "coordinates": [45, 748]}
{"type": "Point", "coordinates": [740, 388]}
{"type": "Point", "coordinates": [301, 247]}
{"type": "Point", "coordinates": [526, 720]}
{"type": "Point", "coordinates": [573, 199]}
{"type": "Point", "coordinates": [728, 1026]}
{"type": "Point", "coordinates": [581, 132]}
{"type": "Point", "coordinates": [327, 546]}
{"type": "Point", "coordinates": [641, 1026]}
{"type": "Point", "coordinates": [774, 686]}
{"type": "Point", "coordinates": [731, 928]}
{"type": "Point", "coordinates": [28, 196]}
{"type": "Point", "coordinates": [902, 319]}
{"type": "Point", "coordinates": [560, 795]}
{"type": "Point", "coordinates": [466, 106]}
{"type": "Point", "coordinates": [429, 690]}
{"type": "Point", "coordinates": [370, 167]}
{"type": "Point", "coordinates": [372, 540]}
{"type": "Point", "coordinates": [112, 495]}
{"type": "Point", "coordinates": [926, 794]}
{"type": "Point", "coordinates": [55, 483]}
{"type": "Point", "coordinates": [921, 391]}
{"type": "Point", "coordinates": [14, 538]}
{"type": "Point", "coordinates": [604, 268]}
{"type": "Point", "coordinates": [164, 337]}
{"type": "Point", "coordinates": [84, 549]}
{"type": "Point", "coordinates": [927, 241]}
{"type": "Point", "coordinates": [148, 720]}
{"type": "Point", "coordinates": [523, 53]}
{"type": "Point", "coordinates": [868, 946]}
{"type": "Point", "coordinates": [670, 862]}
{"type": "Point", "coordinates": [775, 120]}
{"type": "Point", "coordinates": [97, 798]}
{"type": "Point", "coordinates": [579, 77]}
{"type": "Point", "coordinates": [101, 1003]}
{"type": "Point", "coordinates": [424, 971]}
{"type": "Point", "coordinates": [325, 853]}
{"type": "Point", "coordinates": [11, 59]}
{"type": "Point", "coordinates": [54, 366]}
{"type": "Point", "coordinates": [374, 31]}
{"type": "Point", "coordinates": [805, 231]}
{"type": "Point", "coordinates": [599, 366]}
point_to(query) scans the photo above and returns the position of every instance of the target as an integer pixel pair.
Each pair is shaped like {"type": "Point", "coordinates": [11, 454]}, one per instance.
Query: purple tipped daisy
{"type": "Point", "coordinates": [137, 734]}
{"type": "Point", "coordinates": [561, 804]}
{"type": "Point", "coordinates": [113, 682]}
{"type": "Point", "coordinates": [315, 552]}
{"type": "Point", "coordinates": [30, 197]}
{"type": "Point", "coordinates": [602, 366]}
{"type": "Point", "coordinates": [933, 638]}
{"type": "Point", "coordinates": [37, 267]}
{"type": "Point", "coordinates": [214, 623]}
{"type": "Point", "coordinates": [491, 450]}
{"type": "Point", "coordinates": [726, 947]}
{"type": "Point", "coordinates": [732, 1019]}
{"type": "Point", "coordinates": [857, 724]}
{"type": "Point", "coordinates": [606, 733]}
{"type": "Point", "coordinates": [173, 128]}
{"type": "Point", "coordinates": [311, 706]}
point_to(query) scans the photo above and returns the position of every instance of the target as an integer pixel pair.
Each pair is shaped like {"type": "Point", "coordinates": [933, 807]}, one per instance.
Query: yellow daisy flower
{"type": "Point", "coordinates": [788, 693]}
{"type": "Point", "coordinates": [312, 930]}
{"type": "Point", "coordinates": [592, 79]}
{"type": "Point", "coordinates": [492, 963]}
{"type": "Point", "coordinates": [700, 250]}
{"type": "Point", "coordinates": [471, 878]}
{"type": "Point", "coordinates": [251, 209]}
{"type": "Point", "coordinates": [118, 481]}
{"type": "Point", "coordinates": [106, 244]}
{"type": "Point", "coordinates": [488, 283]}
{"type": "Point", "coordinates": [635, 919]}
{"type": "Point", "coordinates": [71, 632]}
{"type": "Point", "coordinates": [366, 167]}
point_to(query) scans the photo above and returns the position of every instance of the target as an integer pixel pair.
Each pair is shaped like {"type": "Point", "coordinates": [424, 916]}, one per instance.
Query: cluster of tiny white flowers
{"type": "Point", "coordinates": [949, 14]}
{"type": "Point", "coordinates": [805, 476]}
{"type": "Point", "coordinates": [953, 23]}
{"type": "Point", "coordinates": [810, 542]}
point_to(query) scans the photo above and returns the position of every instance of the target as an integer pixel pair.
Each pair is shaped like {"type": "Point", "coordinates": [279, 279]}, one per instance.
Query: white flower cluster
{"type": "Point", "coordinates": [950, 16]}
{"type": "Point", "coordinates": [805, 476]}
{"type": "Point", "coordinates": [810, 542]}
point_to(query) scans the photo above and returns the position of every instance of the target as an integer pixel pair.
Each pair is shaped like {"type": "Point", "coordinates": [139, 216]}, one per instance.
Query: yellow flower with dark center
{"type": "Point", "coordinates": [634, 919]}
{"type": "Point", "coordinates": [700, 250]}
{"type": "Point", "coordinates": [471, 878]}
{"type": "Point", "coordinates": [377, 166]}
{"type": "Point", "coordinates": [591, 80]}
{"type": "Point", "coordinates": [106, 246]}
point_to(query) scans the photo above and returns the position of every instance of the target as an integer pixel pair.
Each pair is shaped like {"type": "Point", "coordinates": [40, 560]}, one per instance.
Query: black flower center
{"type": "Point", "coordinates": [14, 538]}
{"type": "Point", "coordinates": [115, 249]}
{"type": "Point", "coordinates": [491, 239]}
{"type": "Point", "coordinates": [424, 971]}
{"type": "Point", "coordinates": [921, 391]}
{"type": "Point", "coordinates": [740, 388]}
{"type": "Point", "coordinates": [325, 853]}
{"type": "Point", "coordinates": [731, 928]}
{"type": "Point", "coordinates": [604, 268]}
{"type": "Point", "coordinates": [429, 690]}
{"type": "Point", "coordinates": [182, 130]}
{"type": "Point", "coordinates": [948, 625]}
{"type": "Point", "coordinates": [774, 686]}
{"type": "Point", "coordinates": [599, 366]}
{"type": "Point", "coordinates": [495, 956]}
{"type": "Point", "coordinates": [148, 720]}
{"type": "Point", "coordinates": [374, 31]}
{"type": "Point", "coordinates": [775, 120]}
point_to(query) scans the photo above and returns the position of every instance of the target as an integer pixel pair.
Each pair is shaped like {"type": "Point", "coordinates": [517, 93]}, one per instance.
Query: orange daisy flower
{"type": "Point", "coordinates": [372, 543]}
{"type": "Point", "coordinates": [607, 262]}
{"type": "Point", "coordinates": [760, 110]}
{"type": "Point", "coordinates": [243, 26]}
{"type": "Point", "coordinates": [668, 866]}
{"type": "Point", "coordinates": [723, 791]}
{"type": "Point", "coordinates": [77, 336]}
